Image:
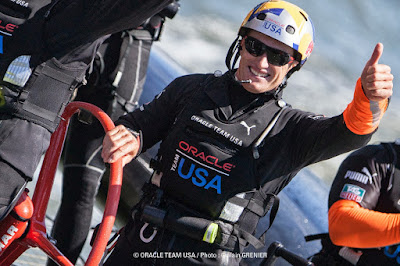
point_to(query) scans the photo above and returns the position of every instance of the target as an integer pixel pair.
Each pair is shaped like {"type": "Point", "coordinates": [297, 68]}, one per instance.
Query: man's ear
{"type": "Point", "coordinates": [241, 43]}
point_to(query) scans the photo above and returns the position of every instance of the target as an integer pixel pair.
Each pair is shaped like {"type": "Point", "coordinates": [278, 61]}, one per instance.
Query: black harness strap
{"type": "Point", "coordinates": [389, 147]}
{"type": "Point", "coordinates": [283, 106]}
{"type": "Point", "coordinates": [128, 37]}
{"type": "Point", "coordinates": [257, 207]}
{"type": "Point", "coordinates": [48, 84]}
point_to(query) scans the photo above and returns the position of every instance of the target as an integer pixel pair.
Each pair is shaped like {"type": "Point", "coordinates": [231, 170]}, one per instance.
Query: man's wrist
{"type": "Point", "coordinates": [133, 132]}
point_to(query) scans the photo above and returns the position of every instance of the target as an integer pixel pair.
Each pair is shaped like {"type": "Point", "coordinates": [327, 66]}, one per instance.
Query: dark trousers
{"type": "Point", "coordinates": [22, 144]}
{"type": "Point", "coordinates": [83, 165]}
{"type": "Point", "coordinates": [10, 185]}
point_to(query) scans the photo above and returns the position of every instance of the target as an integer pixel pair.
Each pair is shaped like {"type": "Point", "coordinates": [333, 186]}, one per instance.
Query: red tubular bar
{"type": "Point", "coordinates": [36, 235]}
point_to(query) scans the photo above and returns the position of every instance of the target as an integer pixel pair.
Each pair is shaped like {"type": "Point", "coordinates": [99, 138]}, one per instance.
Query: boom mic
{"type": "Point", "coordinates": [245, 81]}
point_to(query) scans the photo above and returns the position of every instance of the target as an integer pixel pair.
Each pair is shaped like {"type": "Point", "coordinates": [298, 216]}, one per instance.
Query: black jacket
{"type": "Point", "coordinates": [298, 139]}
{"type": "Point", "coordinates": [371, 177]}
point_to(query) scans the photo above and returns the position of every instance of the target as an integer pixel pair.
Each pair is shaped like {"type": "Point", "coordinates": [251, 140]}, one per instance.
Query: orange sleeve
{"type": "Point", "coordinates": [362, 116]}
{"type": "Point", "coordinates": [354, 226]}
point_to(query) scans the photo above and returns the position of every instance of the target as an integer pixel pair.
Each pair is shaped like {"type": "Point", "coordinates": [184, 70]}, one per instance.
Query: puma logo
{"type": "Point", "coordinates": [247, 127]}
{"type": "Point", "coordinates": [367, 173]}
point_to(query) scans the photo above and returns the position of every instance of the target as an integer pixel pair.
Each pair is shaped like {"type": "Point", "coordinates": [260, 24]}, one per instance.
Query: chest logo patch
{"type": "Point", "coordinates": [352, 192]}
{"type": "Point", "coordinates": [204, 170]}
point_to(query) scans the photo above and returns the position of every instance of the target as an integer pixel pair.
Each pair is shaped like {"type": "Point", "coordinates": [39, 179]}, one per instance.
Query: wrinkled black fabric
{"type": "Point", "coordinates": [83, 165]}
{"type": "Point", "coordinates": [374, 171]}
{"type": "Point", "coordinates": [72, 23]}
{"type": "Point", "coordinates": [298, 139]}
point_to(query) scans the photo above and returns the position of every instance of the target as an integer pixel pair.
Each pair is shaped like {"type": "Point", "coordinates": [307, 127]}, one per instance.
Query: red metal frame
{"type": "Point", "coordinates": [36, 235]}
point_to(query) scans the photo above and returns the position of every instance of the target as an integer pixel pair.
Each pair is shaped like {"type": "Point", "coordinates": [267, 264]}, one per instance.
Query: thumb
{"type": "Point", "coordinates": [377, 53]}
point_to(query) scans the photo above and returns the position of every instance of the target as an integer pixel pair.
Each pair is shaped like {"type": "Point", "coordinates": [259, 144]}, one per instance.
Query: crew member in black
{"type": "Point", "coordinates": [229, 142]}
{"type": "Point", "coordinates": [364, 209]}
{"type": "Point", "coordinates": [38, 76]}
{"type": "Point", "coordinates": [115, 85]}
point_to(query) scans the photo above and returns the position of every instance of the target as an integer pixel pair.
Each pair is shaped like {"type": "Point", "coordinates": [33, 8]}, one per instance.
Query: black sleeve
{"type": "Point", "coordinates": [301, 138]}
{"type": "Point", "coordinates": [72, 23]}
{"type": "Point", "coordinates": [311, 138]}
{"type": "Point", "coordinates": [360, 177]}
{"type": "Point", "coordinates": [156, 118]}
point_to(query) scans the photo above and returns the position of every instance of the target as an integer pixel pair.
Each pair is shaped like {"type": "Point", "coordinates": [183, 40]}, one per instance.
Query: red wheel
{"type": "Point", "coordinates": [36, 235]}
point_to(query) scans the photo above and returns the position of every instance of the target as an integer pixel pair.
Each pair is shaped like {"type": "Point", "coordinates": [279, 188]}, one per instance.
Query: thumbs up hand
{"type": "Point", "coordinates": [376, 79]}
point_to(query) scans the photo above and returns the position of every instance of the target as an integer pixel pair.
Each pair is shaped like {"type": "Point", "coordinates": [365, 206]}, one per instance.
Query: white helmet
{"type": "Point", "coordinates": [284, 22]}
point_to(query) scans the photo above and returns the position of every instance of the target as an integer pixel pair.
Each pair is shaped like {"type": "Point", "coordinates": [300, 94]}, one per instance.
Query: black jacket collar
{"type": "Point", "coordinates": [231, 98]}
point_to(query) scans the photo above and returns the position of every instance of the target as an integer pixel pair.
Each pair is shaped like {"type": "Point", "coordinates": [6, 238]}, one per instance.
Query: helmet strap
{"type": "Point", "coordinates": [284, 81]}
{"type": "Point", "coordinates": [233, 49]}
{"type": "Point", "coordinates": [281, 87]}
{"type": "Point", "coordinates": [296, 68]}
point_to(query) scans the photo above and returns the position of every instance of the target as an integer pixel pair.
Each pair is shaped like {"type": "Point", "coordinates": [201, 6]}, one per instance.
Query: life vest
{"type": "Point", "coordinates": [205, 160]}
{"type": "Point", "coordinates": [209, 164]}
{"type": "Point", "coordinates": [34, 85]}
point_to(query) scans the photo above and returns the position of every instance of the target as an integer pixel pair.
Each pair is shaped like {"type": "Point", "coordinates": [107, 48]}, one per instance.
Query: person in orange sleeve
{"type": "Point", "coordinates": [229, 141]}
{"type": "Point", "coordinates": [364, 209]}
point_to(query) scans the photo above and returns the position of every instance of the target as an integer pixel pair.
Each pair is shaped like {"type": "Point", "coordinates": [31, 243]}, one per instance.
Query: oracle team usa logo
{"type": "Point", "coordinates": [203, 170]}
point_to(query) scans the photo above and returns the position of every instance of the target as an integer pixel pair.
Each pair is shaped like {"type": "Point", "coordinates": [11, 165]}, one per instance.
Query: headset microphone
{"type": "Point", "coordinates": [245, 81]}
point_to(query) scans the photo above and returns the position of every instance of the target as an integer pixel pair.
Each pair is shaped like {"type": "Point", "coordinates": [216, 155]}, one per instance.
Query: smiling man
{"type": "Point", "coordinates": [210, 189]}
{"type": "Point", "coordinates": [264, 75]}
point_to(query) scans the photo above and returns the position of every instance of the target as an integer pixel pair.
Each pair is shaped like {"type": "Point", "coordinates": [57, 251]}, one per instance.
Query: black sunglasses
{"type": "Point", "coordinates": [275, 57]}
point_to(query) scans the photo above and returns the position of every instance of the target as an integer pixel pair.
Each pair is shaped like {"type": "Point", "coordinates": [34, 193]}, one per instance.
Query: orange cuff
{"type": "Point", "coordinates": [362, 116]}
{"type": "Point", "coordinates": [353, 226]}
